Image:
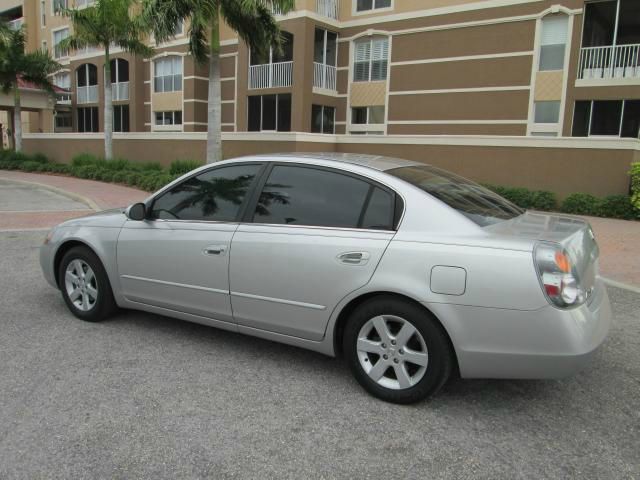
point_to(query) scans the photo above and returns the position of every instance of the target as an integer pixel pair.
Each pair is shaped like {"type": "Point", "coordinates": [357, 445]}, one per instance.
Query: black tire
{"type": "Point", "coordinates": [440, 357]}
{"type": "Point", "coordinates": [104, 306]}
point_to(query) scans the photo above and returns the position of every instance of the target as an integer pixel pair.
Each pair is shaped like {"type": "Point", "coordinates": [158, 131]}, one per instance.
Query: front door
{"type": "Point", "coordinates": [179, 258]}
{"type": "Point", "coordinates": [315, 236]}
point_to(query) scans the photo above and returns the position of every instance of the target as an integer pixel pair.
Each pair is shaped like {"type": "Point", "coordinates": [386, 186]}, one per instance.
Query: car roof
{"type": "Point", "coordinates": [375, 162]}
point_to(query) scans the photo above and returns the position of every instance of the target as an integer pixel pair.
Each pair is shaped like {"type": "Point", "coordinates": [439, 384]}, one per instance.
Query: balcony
{"type": "Point", "coordinates": [610, 62]}
{"type": "Point", "coordinates": [88, 94]}
{"type": "Point", "coordinates": [120, 91]}
{"type": "Point", "coordinates": [271, 75]}
{"type": "Point", "coordinates": [16, 24]}
{"type": "Point", "coordinates": [328, 8]}
{"type": "Point", "coordinates": [324, 76]}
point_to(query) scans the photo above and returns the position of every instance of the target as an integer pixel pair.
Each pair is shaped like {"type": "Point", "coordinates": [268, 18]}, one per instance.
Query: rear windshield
{"type": "Point", "coordinates": [472, 200]}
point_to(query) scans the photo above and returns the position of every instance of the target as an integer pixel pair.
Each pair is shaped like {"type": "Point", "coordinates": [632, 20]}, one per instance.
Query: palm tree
{"type": "Point", "coordinates": [17, 65]}
{"type": "Point", "coordinates": [106, 24]}
{"type": "Point", "coordinates": [251, 19]}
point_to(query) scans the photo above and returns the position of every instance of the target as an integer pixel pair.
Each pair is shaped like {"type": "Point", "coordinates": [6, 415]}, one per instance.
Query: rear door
{"type": "Point", "coordinates": [179, 257]}
{"type": "Point", "coordinates": [312, 235]}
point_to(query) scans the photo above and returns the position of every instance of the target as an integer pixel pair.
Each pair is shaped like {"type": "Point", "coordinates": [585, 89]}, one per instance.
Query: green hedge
{"type": "Point", "coordinates": [635, 185]}
{"type": "Point", "coordinates": [529, 199]}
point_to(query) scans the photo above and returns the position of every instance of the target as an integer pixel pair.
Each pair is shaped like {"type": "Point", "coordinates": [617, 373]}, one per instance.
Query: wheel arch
{"type": "Point", "coordinates": [349, 308]}
{"type": "Point", "coordinates": [63, 249]}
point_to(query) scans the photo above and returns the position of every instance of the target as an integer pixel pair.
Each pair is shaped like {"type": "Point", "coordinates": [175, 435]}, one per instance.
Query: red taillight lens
{"type": "Point", "coordinates": [557, 276]}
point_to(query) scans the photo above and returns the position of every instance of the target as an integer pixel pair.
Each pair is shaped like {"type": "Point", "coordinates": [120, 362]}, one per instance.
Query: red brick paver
{"type": "Point", "coordinates": [104, 195]}
{"type": "Point", "coordinates": [97, 196]}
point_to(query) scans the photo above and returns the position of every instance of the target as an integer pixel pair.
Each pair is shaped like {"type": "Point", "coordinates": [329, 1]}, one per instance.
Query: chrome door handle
{"type": "Point", "coordinates": [354, 258]}
{"type": "Point", "coordinates": [215, 250]}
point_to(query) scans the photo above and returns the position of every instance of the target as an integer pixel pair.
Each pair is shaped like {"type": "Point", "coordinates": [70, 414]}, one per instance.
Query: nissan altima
{"type": "Point", "coordinates": [410, 272]}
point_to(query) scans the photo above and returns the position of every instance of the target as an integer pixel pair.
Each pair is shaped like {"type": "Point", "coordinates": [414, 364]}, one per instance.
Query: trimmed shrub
{"type": "Point", "coordinates": [617, 206]}
{"type": "Point", "coordinates": [581, 204]}
{"type": "Point", "coordinates": [180, 167]}
{"type": "Point", "coordinates": [83, 159]}
{"type": "Point", "coordinates": [119, 177]}
{"type": "Point", "coordinates": [30, 166]}
{"type": "Point", "coordinates": [635, 187]}
{"type": "Point", "coordinates": [528, 199]}
{"type": "Point", "coordinates": [40, 158]}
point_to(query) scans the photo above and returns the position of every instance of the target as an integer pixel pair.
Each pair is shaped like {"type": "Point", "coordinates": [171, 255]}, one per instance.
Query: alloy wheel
{"type": "Point", "coordinates": [81, 286]}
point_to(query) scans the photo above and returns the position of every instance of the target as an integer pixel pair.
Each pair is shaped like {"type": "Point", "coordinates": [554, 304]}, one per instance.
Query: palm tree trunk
{"type": "Point", "coordinates": [108, 108]}
{"type": "Point", "coordinates": [214, 114]}
{"type": "Point", "coordinates": [17, 119]}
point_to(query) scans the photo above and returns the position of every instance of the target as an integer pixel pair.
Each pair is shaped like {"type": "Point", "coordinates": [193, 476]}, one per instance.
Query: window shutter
{"type": "Point", "coordinates": [379, 55]}
{"type": "Point", "coordinates": [554, 30]}
{"type": "Point", "coordinates": [362, 57]}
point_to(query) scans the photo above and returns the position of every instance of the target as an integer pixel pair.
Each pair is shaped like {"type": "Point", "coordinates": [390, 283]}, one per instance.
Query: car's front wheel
{"type": "Point", "coordinates": [85, 286]}
{"type": "Point", "coordinates": [396, 350]}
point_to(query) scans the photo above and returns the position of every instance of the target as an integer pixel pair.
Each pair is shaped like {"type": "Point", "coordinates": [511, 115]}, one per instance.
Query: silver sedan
{"type": "Point", "coordinates": [412, 273]}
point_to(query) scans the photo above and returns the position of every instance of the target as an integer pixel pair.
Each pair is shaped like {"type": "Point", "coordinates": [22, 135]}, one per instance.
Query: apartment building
{"type": "Point", "coordinates": [375, 67]}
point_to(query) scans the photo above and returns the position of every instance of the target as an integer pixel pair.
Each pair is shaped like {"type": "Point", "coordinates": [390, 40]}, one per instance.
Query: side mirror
{"type": "Point", "coordinates": [137, 211]}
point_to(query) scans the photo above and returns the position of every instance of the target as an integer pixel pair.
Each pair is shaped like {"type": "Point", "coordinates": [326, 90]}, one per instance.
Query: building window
{"type": "Point", "coordinates": [270, 113]}
{"type": "Point", "coordinates": [323, 119]}
{"type": "Point", "coordinates": [169, 118]}
{"type": "Point", "coordinates": [43, 14]}
{"type": "Point", "coordinates": [371, 59]}
{"type": "Point", "coordinates": [617, 118]}
{"type": "Point", "coordinates": [84, 3]}
{"type": "Point", "coordinates": [87, 83]}
{"type": "Point", "coordinates": [58, 36]}
{"type": "Point", "coordinates": [553, 42]}
{"type": "Point", "coordinates": [88, 119]}
{"type": "Point", "coordinates": [366, 5]}
{"type": "Point", "coordinates": [62, 80]}
{"type": "Point", "coordinates": [546, 112]}
{"type": "Point", "coordinates": [367, 115]}
{"type": "Point", "coordinates": [168, 74]}
{"type": "Point", "coordinates": [57, 5]}
{"type": "Point", "coordinates": [119, 79]}
{"type": "Point", "coordinates": [63, 120]}
{"type": "Point", "coordinates": [324, 59]}
{"type": "Point", "coordinates": [121, 118]}
{"type": "Point", "coordinates": [273, 56]}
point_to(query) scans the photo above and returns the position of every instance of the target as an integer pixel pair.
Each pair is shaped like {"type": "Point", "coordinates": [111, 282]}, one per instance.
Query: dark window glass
{"type": "Point", "coordinates": [93, 74]}
{"type": "Point", "coordinates": [552, 57]}
{"type": "Point", "coordinates": [269, 112]}
{"type": "Point", "coordinates": [318, 46]}
{"type": "Point", "coordinates": [255, 113]}
{"type": "Point", "coordinates": [80, 115]}
{"type": "Point", "coordinates": [94, 119]}
{"type": "Point", "coordinates": [63, 120]}
{"type": "Point", "coordinates": [327, 119]}
{"type": "Point", "coordinates": [123, 70]}
{"type": "Point", "coordinates": [216, 195]}
{"type": "Point", "coordinates": [121, 118]}
{"type": "Point", "coordinates": [287, 49]}
{"type": "Point", "coordinates": [308, 196]}
{"type": "Point", "coordinates": [113, 68]}
{"type": "Point", "coordinates": [581, 117]}
{"type": "Point", "coordinates": [81, 76]}
{"type": "Point", "coordinates": [359, 115]}
{"type": "Point", "coordinates": [364, 5]}
{"type": "Point", "coordinates": [379, 214]}
{"type": "Point", "coordinates": [475, 202]}
{"type": "Point", "coordinates": [332, 48]}
{"type": "Point", "coordinates": [628, 26]}
{"type": "Point", "coordinates": [284, 113]}
{"type": "Point", "coordinates": [177, 117]}
{"type": "Point", "coordinates": [599, 23]}
{"type": "Point", "coordinates": [605, 117]}
{"type": "Point", "coordinates": [631, 119]}
{"type": "Point", "coordinates": [383, 3]}
{"type": "Point", "coordinates": [316, 118]}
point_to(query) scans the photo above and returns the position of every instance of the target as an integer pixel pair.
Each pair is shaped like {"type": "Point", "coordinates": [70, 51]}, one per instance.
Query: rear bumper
{"type": "Point", "coordinates": [546, 343]}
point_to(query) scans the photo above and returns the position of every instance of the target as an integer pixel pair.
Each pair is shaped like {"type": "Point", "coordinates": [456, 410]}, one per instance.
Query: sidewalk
{"type": "Point", "coordinates": [619, 240]}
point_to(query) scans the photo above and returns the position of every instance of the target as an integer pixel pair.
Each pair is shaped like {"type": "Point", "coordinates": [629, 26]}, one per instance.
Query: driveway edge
{"type": "Point", "coordinates": [72, 195]}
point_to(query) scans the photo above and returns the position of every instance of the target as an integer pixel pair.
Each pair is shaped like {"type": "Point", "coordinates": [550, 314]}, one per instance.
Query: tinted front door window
{"type": "Point", "coordinates": [216, 195]}
{"type": "Point", "coordinates": [309, 196]}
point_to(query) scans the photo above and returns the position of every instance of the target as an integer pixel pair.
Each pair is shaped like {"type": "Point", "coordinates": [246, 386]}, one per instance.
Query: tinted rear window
{"type": "Point", "coordinates": [472, 200]}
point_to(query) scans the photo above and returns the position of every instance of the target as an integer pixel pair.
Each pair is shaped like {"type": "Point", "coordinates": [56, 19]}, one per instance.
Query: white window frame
{"type": "Point", "coordinates": [367, 128]}
{"type": "Point", "coordinates": [554, 19]}
{"type": "Point", "coordinates": [372, 41]}
{"type": "Point", "coordinates": [53, 5]}
{"type": "Point", "coordinates": [55, 44]}
{"type": "Point", "coordinates": [168, 127]}
{"type": "Point", "coordinates": [173, 61]}
{"type": "Point", "coordinates": [84, 3]}
{"type": "Point", "coordinates": [373, 9]}
{"type": "Point", "coordinates": [321, 132]}
{"type": "Point", "coordinates": [43, 13]}
{"type": "Point", "coordinates": [619, 135]}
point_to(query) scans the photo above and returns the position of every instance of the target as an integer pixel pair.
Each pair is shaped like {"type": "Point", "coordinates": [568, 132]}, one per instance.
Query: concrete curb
{"type": "Point", "coordinates": [624, 286]}
{"type": "Point", "coordinates": [72, 195]}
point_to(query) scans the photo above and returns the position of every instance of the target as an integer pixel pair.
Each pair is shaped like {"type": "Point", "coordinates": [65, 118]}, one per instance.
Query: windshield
{"type": "Point", "coordinates": [472, 200]}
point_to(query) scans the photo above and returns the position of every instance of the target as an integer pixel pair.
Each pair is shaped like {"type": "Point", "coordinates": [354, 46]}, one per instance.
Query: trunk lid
{"type": "Point", "coordinates": [574, 234]}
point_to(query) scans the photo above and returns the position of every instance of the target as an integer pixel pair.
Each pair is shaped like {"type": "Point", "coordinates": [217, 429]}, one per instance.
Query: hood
{"type": "Point", "coordinates": [114, 217]}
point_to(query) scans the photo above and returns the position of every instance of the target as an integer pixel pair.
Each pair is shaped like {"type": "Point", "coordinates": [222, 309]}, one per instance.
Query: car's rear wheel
{"type": "Point", "coordinates": [396, 350]}
{"type": "Point", "coordinates": [85, 286]}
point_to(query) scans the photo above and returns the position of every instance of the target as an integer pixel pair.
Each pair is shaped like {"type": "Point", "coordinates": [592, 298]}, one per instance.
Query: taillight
{"type": "Point", "coordinates": [558, 275]}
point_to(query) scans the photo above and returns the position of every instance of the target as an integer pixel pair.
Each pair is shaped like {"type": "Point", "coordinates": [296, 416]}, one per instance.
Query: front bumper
{"type": "Point", "coordinates": [545, 343]}
{"type": "Point", "coordinates": [46, 263]}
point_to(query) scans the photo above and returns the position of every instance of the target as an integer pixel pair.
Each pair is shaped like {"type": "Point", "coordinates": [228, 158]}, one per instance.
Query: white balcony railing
{"type": "Point", "coordinates": [87, 94]}
{"type": "Point", "coordinates": [324, 76]}
{"type": "Point", "coordinates": [16, 24]}
{"type": "Point", "coordinates": [620, 61]}
{"type": "Point", "coordinates": [271, 75]}
{"type": "Point", "coordinates": [120, 91]}
{"type": "Point", "coordinates": [328, 8]}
